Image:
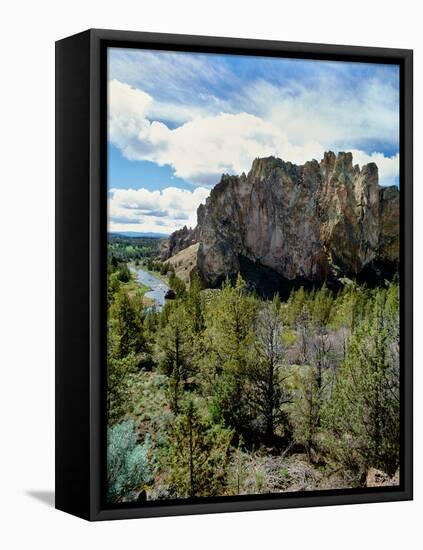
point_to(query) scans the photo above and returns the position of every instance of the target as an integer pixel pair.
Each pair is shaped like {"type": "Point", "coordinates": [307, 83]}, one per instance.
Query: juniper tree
{"type": "Point", "coordinates": [317, 366]}
{"type": "Point", "coordinates": [364, 413]}
{"type": "Point", "coordinates": [177, 285]}
{"type": "Point", "coordinates": [123, 273]}
{"type": "Point", "coordinates": [198, 454]}
{"type": "Point", "coordinates": [126, 316]}
{"type": "Point", "coordinates": [174, 352]}
{"type": "Point", "coordinates": [195, 305]}
{"type": "Point", "coordinates": [119, 371]}
{"type": "Point", "coordinates": [229, 338]}
{"type": "Point", "coordinates": [322, 307]}
{"type": "Point", "coordinates": [268, 372]}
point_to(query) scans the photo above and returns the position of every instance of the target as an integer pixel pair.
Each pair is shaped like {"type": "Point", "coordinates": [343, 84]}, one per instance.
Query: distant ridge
{"type": "Point", "coordinates": [136, 234]}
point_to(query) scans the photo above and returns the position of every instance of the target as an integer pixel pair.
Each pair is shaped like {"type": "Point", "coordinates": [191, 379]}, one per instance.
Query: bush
{"type": "Point", "coordinates": [124, 273]}
{"type": "Point", "coordinates": [128, 467]}
{"type": "Point", "coordinates": [177, 285]}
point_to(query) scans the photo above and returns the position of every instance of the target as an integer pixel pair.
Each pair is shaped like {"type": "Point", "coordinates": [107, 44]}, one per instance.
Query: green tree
{"type": "Point", "coordinates": [126, 313]}
{"type": "Point", "coordinates": [364, 414]}
{"type": "Point", "coordinates": [313, 383]}
{"type": "Point", "coordinates": [113, 286]}
{"type": "Point", "coordinates": [306, 409]}
{"type": "Point", "coordinates": [229, 340]}
{"type": "Point", "coordinates": [177, 285]}
{"type": "Point", "coordinates": [123, 273]}
{"type": "Point", "coordinates": [268, 373]}
{"type": "Point", "coordinates": [304, 329]}
{"type": "Point", "coordinates": [198, 454]}
{"type": "Point", "coordinates": [351, 306]}
{"type": "Point", "coordinates": [195, 305]}
{"type": "Point", "coordinates": [119, 373]}
{"type": "Point", "coordinates": [164, 268]}
{"type": "Point", "coordinates": [322, 307]}
{"type": "Point", "coordinates": [174, 352]}
{"type": "Point", "coordinates": [317, 369]}
{"type": "Point", "coordinates": [296, 302]}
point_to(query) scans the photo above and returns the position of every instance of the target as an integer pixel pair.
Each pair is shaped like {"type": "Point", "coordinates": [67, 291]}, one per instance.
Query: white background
{"type": "Point", "coordinates": [28, 32]}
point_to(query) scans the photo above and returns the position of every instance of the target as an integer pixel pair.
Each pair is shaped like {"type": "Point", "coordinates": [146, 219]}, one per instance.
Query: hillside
{"type": "Point", "coordinates": [184, 262]}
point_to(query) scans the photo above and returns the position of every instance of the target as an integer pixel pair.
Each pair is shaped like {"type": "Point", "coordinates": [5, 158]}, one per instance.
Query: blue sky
{"type": "Point", "coordinates": [124, 174]}
{"type": "Point", "coordinates": [177, 121]}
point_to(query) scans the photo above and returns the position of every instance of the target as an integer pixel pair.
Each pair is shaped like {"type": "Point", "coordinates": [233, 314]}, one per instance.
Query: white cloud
{"type": "Point", "coordinates": [298, 127]}
{"type": "Point", "coordinates": [157, 211]}
{"type": "Point", "coordinates": [127, 114]}
{"type": "Point", "coordinates": [328, 112]}
{"type": "Point", "coordinates": [199, 150]}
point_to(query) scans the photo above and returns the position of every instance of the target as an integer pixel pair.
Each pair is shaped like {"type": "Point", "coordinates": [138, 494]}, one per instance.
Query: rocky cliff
{"type": "Point", "coordinates": [302, 224]}
{"type": "Point", "coordinates": [181, 239]}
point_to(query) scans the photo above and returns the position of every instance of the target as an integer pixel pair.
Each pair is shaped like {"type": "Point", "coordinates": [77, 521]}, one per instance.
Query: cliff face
{"type": "Point", "coordinates": [181, 239]}
{"type": "Point", "coordinates": [314, 223]}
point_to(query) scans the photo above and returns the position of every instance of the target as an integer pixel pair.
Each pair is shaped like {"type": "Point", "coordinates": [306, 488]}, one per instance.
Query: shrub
{"type": "Point", "coordinates": [124, 273]}
{"type": "Point", "coordinates": [128, 467]}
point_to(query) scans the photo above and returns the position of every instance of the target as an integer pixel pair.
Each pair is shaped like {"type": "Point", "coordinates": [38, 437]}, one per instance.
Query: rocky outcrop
{"type": "Point", "coordinates": [181, 239]}
{"type": "Point", "coordinates": [311, 224]}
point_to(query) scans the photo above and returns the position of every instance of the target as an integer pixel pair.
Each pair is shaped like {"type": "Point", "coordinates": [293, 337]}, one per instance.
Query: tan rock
{"type": "Point", "coordinates": [377, 478]}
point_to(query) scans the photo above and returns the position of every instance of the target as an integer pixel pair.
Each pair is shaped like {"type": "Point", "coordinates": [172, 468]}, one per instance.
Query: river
{"type": "Point", "coordinates": [157, 287]}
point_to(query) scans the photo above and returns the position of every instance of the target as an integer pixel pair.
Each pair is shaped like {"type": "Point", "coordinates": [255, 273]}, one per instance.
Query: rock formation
{"type": "Point", "coordinates": [305, 224]}
{"type": "Point", "coordinates": [181, 239]}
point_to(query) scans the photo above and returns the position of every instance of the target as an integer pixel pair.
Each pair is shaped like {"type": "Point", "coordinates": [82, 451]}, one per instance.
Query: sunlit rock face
{"type": "Point", "coordinates": [314, 223]}
{"type": "Point", "coordinates": [179, 240]}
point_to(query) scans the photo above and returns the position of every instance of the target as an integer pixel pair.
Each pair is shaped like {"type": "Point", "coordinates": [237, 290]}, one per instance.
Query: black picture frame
{"type": "Point", "coordinates": [81, 234]}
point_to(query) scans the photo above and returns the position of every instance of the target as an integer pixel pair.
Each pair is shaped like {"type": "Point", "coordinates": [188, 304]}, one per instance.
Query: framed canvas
{"type": "Point", "coordinates": [233, 274]}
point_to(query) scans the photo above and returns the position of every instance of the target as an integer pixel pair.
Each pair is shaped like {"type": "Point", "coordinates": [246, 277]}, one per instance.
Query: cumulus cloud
{"type": "Point", "coordinates": [329, 112]}
{"type": "Point", "coordinates": [298, 127]}
{"type": "Point", "coordinates": [157, 211]}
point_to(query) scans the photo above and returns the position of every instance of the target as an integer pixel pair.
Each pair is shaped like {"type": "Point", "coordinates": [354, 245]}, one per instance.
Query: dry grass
{"type": "Point", "coordinates": [184, 262]}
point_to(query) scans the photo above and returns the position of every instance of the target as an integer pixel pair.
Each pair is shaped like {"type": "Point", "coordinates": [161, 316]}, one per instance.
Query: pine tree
{"type": "Point", "coordinates": [303, 327]}
{"type": "Point", "coordinates": [296, 303]}
{"type": "Point", "coordinates": [229, 338]}
{"type": "Point", "coordinates": [174, 352]}
{"type": "Point", "coordinates": [128, 325]}
{"type": "Point", "coordinates": [195, 305]}
{"type": "Point", "coordinates": [119, 371]}
{"type": "Point", "coordinates": [306, 409]}
{"type": "Point", "coordinates": [198, 455]}
{"type": "Point", "coordinates": [364, 412]}
{"type": "Point", "coordinates": [268, 373]}
{"type": "Point", "coordinates": [322, 307]}
{"type": "Point", "coordinates": [124, 273]}
{"type": "Point", "coordinates": [177, 285]}
{"type": "Point", "coordinates": [113, 286]}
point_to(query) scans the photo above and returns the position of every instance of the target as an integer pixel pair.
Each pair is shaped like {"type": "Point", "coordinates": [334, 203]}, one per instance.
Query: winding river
{"type": "Point", "coordinates": [157, 287]}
